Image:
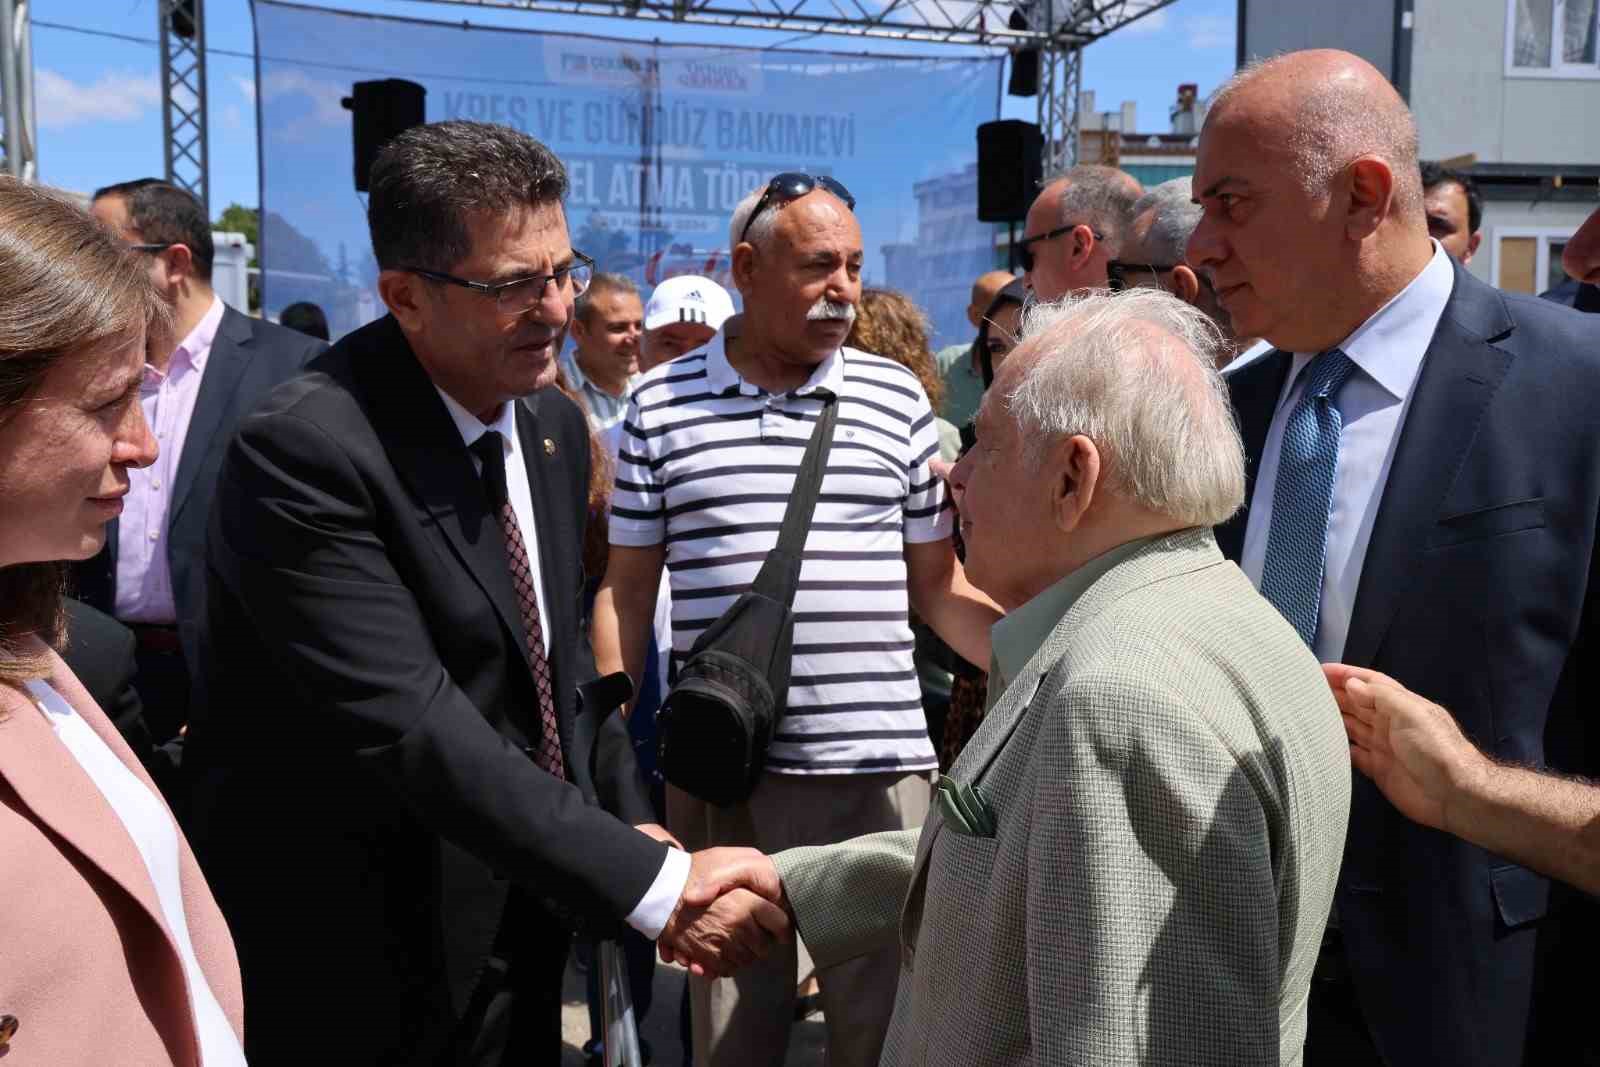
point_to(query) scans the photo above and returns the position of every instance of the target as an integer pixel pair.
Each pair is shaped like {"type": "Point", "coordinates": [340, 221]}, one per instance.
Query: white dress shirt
{"type": "Point", "coordinates": [655, 907]}
{"type": "Point", "coordinates": [1387, 350]}
{"type": "Point", "coordinates": [151, 829]}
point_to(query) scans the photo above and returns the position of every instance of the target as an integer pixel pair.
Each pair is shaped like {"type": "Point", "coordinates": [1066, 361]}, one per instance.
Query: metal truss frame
{"type": "Point", "coordinates": [1058, 29]}
{"type": "Point", "coordinates": [19, 145]}
{"type": "Point", "coordinates": [184, 139]}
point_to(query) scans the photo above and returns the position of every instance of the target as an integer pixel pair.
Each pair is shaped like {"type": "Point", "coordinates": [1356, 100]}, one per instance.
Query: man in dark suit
{"type": "Point", "coordinates": [150, 575]}
{"type": "Point", "coordinates": [394, 789]}
{"type": "Point", "coordinates": [1425, 480]}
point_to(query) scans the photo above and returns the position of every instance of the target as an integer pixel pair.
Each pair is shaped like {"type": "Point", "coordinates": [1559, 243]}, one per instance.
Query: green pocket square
{"type": "Point", "coordinates": [964, 809]}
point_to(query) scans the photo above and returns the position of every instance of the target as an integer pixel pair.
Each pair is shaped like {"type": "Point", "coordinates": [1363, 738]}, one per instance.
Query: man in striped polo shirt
{"type": "Point", "coordinates": [710, 450]}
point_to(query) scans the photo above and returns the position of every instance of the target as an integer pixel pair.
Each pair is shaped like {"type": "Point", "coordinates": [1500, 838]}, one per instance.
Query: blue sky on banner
{"type": "Point", "coordinates": [99, 96]}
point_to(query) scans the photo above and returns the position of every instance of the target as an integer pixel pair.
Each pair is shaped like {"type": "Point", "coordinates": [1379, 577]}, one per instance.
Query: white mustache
{"type": "Point", "coordinates": [824, 310]}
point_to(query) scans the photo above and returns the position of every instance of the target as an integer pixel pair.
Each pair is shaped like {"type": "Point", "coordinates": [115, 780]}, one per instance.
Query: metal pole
{"type": "Point", "coordinates": [621, 1036]}
{"type": "Point", "coordinates": [11, 89]}
{"type": "Point", "coordinates": [184, 140]}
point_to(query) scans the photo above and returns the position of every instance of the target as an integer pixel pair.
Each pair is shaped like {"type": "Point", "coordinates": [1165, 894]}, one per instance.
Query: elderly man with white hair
{"type": "Point", "coordinates": [711, 447]}
{"type": "Point", "coordinates": [1152, 256]}
{"type": "Point", "coordinates": [1133, 859]}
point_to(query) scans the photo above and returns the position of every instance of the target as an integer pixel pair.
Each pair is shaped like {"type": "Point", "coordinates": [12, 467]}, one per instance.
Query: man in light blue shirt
{"type": "Point", "coordinates": [606, 323]}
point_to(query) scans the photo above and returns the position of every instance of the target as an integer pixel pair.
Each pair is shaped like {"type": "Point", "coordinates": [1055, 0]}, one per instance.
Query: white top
{"type": "Point", "coordinates": [149, 824]}
{"type": "Point", "coordinates": [661, 625]}
{"type": "Point", "coordinates": [706, 467]}
{"type": "Point", "coordinates": [1387, 350]}
{"type": "Point", "coordinates": [655, 908]}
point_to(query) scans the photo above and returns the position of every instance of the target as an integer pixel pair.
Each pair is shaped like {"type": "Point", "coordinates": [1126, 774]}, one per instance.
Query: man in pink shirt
{"type": "Point", "coordinates": [151, 573]}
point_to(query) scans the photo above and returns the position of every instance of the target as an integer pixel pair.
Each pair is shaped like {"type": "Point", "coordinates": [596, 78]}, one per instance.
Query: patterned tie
{"type": "Point", "coordinates": [1297, 542]}
{"type": "Point", "coordinates": [488, 449]}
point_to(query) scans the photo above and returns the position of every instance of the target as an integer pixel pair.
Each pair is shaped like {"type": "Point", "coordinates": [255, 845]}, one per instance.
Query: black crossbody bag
{"type": "Point", "coordinates": [717, 721]}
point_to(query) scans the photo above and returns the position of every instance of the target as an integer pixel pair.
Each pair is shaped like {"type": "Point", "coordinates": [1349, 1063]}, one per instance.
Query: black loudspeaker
{"type": "Point", "coordinates": [379, 110]}
{"type": "Point", "coordinates": [1024, 62]}
{"type": "Point", "coordinates": [1010, 166]}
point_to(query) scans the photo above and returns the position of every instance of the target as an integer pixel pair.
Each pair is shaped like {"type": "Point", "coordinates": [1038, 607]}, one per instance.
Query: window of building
{"type": "Point", "coordinates": [1553, 38]}
{"type": "Point", "coordinates": [1528, 259]}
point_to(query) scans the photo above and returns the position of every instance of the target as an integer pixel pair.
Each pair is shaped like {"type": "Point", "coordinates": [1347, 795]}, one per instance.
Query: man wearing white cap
{"type": "Point", "coordinates": [684, 313]}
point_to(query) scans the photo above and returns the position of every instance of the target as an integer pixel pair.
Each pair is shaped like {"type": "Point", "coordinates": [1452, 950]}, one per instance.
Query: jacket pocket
{"type": "Point", "coordinates": [1484, 523]}
{"type": "Point", "coordinates": [1520, 896]}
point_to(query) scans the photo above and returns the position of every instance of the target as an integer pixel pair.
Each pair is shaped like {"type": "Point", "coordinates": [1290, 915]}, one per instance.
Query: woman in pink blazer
{"type": "Point", "coordinates": [112, 950]}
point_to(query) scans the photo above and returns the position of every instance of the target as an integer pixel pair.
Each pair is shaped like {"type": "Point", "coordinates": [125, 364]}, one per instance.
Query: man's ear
{"type": "Point", "coordinates": [1472, 247]}
{"type": "Point", "coordinates": [1371, 185]}
{"type": "Point", "coordinates": [1185, 284]}
{"type": "Point", "coordinates": [1073, 467]}
{"type": "Point", "coordinates": [1083, 246]}
{"type": "Point", "coordinates": [742, 263]}
{"type": "Point", "coordinates": [178, 263]}
{"type": "Point", "coordinates": [401, 292]}
{"type": "Point", "coordinates": [579, 328]}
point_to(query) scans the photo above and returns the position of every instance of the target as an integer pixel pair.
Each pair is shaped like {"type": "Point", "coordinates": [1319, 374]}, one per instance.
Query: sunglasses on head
{"type": "Point", "coordinates": [791, 185]}
{"type": "Point", "coordinates": [1117, 272]}
{"type": "Point", "coordinates": [1025, 246]}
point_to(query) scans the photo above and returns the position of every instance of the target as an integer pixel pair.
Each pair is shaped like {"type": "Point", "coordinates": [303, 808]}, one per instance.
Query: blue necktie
{"type": "Point", "coordinates": [1297, 541]}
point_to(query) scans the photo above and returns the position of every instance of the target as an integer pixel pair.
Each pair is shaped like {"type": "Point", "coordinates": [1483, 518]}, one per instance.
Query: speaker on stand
{"type": "Point", "coordinates": [1010, 168]}
{"type": "Point", "coordinates": [379, 110]}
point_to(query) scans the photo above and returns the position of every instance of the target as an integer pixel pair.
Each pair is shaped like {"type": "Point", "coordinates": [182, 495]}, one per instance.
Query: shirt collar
{"type": "Point", "coordinates": [1389, 346]}
{"type": "Point", "coordinates": [194, 348]}
{"type": "Point", "coordinates": [581, 382]}
{"type": "Point", "coordinates": [470, 427]}
{"type": "Point", "coordinates": [1024, 631]}
{"type": "Point", "coordinates": [722, 378]}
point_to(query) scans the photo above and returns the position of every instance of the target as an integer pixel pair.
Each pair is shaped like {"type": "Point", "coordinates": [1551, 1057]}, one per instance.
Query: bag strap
{"type": "Point", "coordinates": [780, 574]}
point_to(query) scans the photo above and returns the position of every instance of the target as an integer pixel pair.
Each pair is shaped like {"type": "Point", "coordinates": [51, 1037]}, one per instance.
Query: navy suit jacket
{"type": "Point", "coordinates": [248, 358]}
{"type": "Point", "coordinates": [1477, 591]}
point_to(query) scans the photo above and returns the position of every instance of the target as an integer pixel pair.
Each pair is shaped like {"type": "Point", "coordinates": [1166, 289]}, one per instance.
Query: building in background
{"type": "Point", "coordinates": [1114, 138]}
{"type": "Point", "coordinates": [1509, 87]}
{"type": "Point", "coordinates": [951, 249]}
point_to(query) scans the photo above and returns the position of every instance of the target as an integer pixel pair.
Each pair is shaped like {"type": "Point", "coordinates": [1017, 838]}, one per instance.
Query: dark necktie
{"type": "Point", "coordinates": [1297, 540]}
{"type": "Point", "coordinates": [488, 449]}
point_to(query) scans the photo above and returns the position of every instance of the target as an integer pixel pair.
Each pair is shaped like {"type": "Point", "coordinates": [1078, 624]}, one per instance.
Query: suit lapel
{"type": "Point", "coordinates": [552, 520]}
{"type": "Point", "coordinates": [63, 798]}
{"type": "Point", "coordinates": [1461, 371]}
{"type": "Point", "coordinates": [428, 454]}
{"type": "Point", "coordinates": [225, 366]}
{"type": "Point", "coordinates": [1254, 390]}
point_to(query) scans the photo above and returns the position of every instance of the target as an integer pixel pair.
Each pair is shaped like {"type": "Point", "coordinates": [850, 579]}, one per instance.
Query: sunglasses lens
{"type": "Point", "coordinates": [838, 190]}
{"type": "Point", "coordinates": [1025, 257]}
{"type": "Point", "coordinates": [791, 184]}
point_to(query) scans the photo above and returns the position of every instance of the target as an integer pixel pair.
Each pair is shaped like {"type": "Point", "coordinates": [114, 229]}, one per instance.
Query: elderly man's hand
{"type": "Point", "coordinates": [1410, 747]}
{"type": "Point", "coordinates": [731, 913]}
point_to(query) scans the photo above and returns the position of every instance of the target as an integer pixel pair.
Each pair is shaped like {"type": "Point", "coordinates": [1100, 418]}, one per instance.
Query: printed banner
{"type": "Point", "coordinates": [660, 141]}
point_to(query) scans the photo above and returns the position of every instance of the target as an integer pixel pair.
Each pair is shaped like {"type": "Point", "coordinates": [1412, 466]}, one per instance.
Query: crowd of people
{"type": "Point", "coordinates": [330, 676]}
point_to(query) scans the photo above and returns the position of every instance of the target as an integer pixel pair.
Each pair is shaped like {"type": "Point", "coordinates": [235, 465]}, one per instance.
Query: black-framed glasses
{"type": "Point", "coordinates": [1117, 272]}
{"type": "Point", "coordinates": [152, 248]}
{"type": "Point", "coordinates": [791, 185]}
{"type": "Point", "coordinates": [1025, 246]}
{"type": "Point", "coordinates": [519, 295]}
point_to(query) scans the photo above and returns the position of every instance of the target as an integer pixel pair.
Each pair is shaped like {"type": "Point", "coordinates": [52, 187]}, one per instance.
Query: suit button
{"type": "Point", "coordinates": [8, 1027]}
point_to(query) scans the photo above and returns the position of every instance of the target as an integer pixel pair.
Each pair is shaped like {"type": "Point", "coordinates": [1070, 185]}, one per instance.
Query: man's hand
{"type": "Point", "coordinates": [1410, 747]}
{"type": "Point", "coordinates": [715, 928]}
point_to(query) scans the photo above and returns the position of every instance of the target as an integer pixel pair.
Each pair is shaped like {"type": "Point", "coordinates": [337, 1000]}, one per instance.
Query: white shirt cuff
{"type": "Point", "coordinates": [658, 902]}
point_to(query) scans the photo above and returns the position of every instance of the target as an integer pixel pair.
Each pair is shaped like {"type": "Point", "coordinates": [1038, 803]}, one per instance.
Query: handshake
{"type": "Point", "coordinates": [732, 912]}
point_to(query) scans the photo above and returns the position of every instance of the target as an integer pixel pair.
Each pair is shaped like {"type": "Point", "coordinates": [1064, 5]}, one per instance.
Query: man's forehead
{"type": "Point", "coordinates": [522, 236]}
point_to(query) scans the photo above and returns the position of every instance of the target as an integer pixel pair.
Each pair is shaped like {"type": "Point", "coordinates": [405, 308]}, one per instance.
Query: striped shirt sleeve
{"type": "Point", "coordinates": [929, 515]}
{"type": "Point", "coordinates": [638, 516]}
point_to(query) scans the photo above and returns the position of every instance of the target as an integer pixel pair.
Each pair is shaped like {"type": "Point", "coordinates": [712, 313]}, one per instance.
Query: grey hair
{"type": "Point", "coordinates": [1335, 123]}
{"type": "Point", "coordinates": [429, 180]}
{"type": "Point", "coordinates": [1099, 196]}
{"type": "Point", "coordinates": [1135, 372]}
{"type": "Point", "coordinates": [760, 230]}
{"type": "Point", "coordinates": [602, 282]}
{"type": "Point", "coordinates": [1176, 216]}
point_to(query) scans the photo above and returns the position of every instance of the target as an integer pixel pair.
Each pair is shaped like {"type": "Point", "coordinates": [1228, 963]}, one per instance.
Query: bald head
{"type": "Point", "coordinates": [1327, 108]}
{"type": "Point", "coordinates": [1307, 177]}
{"type": "Point", "coordinates": [984, 290]}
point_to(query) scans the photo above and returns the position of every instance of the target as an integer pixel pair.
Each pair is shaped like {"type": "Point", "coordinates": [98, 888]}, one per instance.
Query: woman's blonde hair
{"type": "Point", "coordinates": [888, 324]}
{"type": "Point", "coordinates": [68, 287]}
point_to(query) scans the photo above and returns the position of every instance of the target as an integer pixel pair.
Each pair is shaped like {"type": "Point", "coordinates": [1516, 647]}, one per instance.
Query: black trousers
{"type": "Point", "coordinates": [1336, 1031]}
{"type": "Point", "coordinates": [515, 1015]}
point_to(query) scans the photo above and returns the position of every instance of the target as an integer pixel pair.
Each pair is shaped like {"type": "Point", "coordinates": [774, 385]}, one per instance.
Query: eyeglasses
{"type": "Point", "coordinates": [792, 185]}
{"type": "Point", "coordinates": [152, 248]}
{"type": "Point", "coordinates": [519, 295]}
{"type": "Point", "coordinates": [1117, 272]}
{"type": "Point", "coordinates": [1025, 246]}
